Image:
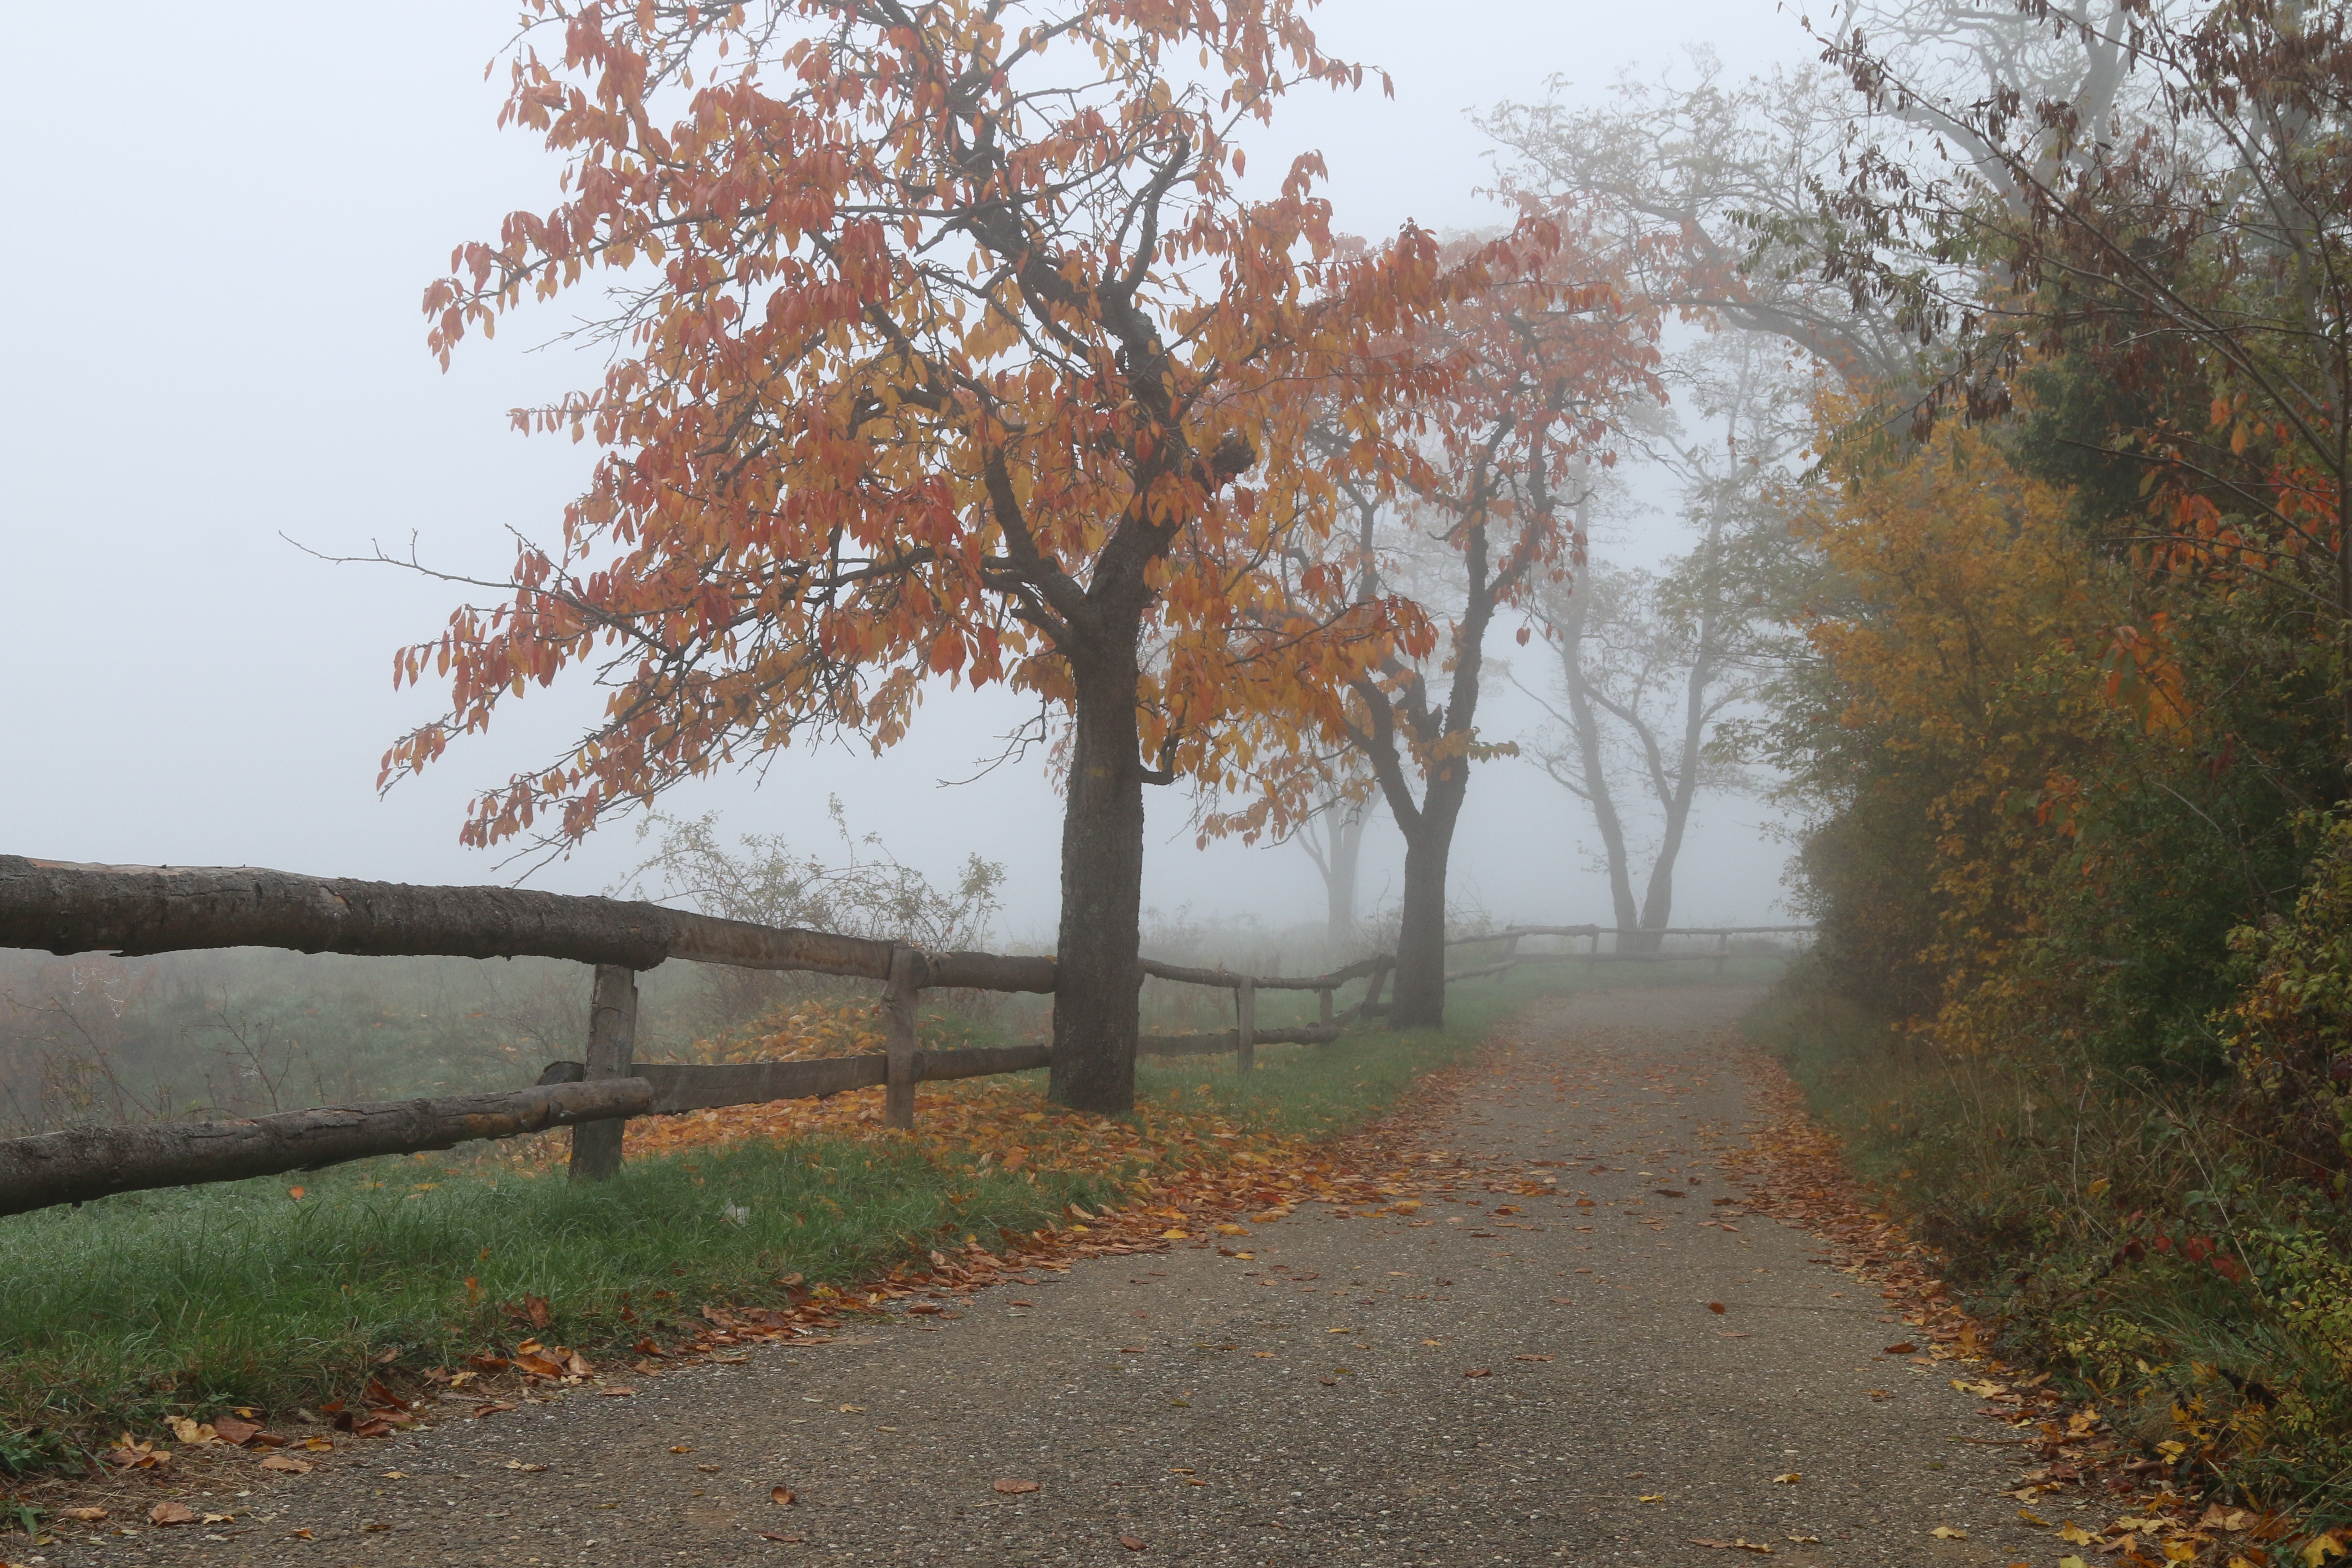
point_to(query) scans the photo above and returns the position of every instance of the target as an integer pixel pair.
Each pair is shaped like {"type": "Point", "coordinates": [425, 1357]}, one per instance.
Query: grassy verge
{"type": "Point", "coordinates": [2123, 1232]}
{"type": "Point", "coordinates": [136, 1309]}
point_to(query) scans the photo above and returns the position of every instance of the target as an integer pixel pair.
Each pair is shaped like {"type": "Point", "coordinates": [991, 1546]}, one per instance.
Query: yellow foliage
{"type": "Point", "coordinates": [1959, 642]}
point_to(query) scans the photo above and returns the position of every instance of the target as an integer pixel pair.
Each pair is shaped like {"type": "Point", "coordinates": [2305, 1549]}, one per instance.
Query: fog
{"type": "Point", "coordinates": [224, 220]}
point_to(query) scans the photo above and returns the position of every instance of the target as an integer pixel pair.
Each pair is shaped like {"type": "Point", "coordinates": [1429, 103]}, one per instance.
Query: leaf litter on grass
{"type": "Point", "coordinates": [1183, 1170]}
{"type": "Point", "coordinates": [1794, 1169]}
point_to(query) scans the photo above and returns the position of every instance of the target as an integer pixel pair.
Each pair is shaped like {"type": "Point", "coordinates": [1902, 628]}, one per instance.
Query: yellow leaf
{"type": "Point", "coordinates": [1947, 1532]}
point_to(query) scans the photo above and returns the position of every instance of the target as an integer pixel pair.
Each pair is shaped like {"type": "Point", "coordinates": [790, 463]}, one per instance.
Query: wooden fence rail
{"type": "Point", "coordinates": [132, 910]}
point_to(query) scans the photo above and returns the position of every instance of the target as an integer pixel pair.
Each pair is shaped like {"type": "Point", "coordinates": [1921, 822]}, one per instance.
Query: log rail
{"type": "Point", "coordinates": [63, 907]}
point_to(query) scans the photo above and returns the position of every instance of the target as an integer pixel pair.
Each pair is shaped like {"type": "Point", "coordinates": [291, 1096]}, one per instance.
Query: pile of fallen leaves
{"type": "Point", "coordinates": [1795, 1170]}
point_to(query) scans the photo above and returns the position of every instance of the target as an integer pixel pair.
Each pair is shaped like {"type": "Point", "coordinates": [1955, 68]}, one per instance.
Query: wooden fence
{"type": "Point", "coordinates": [134, 910]}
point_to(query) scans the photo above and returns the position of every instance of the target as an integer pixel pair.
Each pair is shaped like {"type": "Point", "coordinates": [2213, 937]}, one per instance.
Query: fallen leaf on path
{"type": "Point", "coordinates": [1787, 1480]}
{"type": "Point", "coordinates": [85, 1515]}
{"type": "Point", "coordinates": [494, 1408]}
{"type": "Point", "coordinates": [779, 1494]}
{"type": "Point", "coordinates": [708, 1469]}
{"type": "Point", "coordinates": [1946, 1533]}
{"type": "Point", "coordinates": [2071, 1561]}
{"type": "Point", "coordinates": [168, 1514]}
{"type": "Point", "coordinates": [1561, 1300]}
{"type": "Point", "coordinates": [1651, 1497]}
{"type": "Point", "coordinates": [1733, 1334]}
{"type": "Point", "coordinates": [1715, 1307]}
{"type": "Point", "coordinates": [1740, 1545]}
{"type": "Point", "coordinates": [1132, 1543]}
{"type": "Point", "coordinates": [1806, 1539]}
{"type": "Point", "coordinates": [321, 1445]}
{"type": "Point", "coordinates": [2027, 1516]}
{"type": "Point", "coordinates": [1233, 1230]}
{"type": "Point", "coordinates": [850, 1410]}
{"type": "Point", "coordinates": [287, 1464]}
{"type": "Point", "coordinates": [1905, 1348]}
{"type": "Point", "coordinates": [302, 1534]}
{"type": "Point", "coordinates": [519, 1465]}
{"type": "Point", "coordinates": [1531, 1358]}
{"type": "Point", "coordinates": [1880, 1394]}
{"type": "Point", "coordinates": [616, 1393]}
{"type": "Point", "coordinates": [682, 1448]}
{"type": "Point", "coordinates": [1011, 1487]}
{"type": "Point", "coordinates": [1261, 1355]}
{"type": "Point", "coordinates": [1020, 1304]}
{"type": "Point", "coordinates": [236, 1433]}
{"type": "Point", "coordinates": [2075, 1535]}
{"type": "Point", "coordinates": [787, 1540]}
{"type": "Point", "coordinates": [1480, 1372]}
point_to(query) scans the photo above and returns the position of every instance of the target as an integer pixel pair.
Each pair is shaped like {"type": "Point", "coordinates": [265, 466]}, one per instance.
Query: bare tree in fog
{"type": "Point", "coordinates": [1650, 665]}
{"type": "Point", "coordinates": [1333, 837]}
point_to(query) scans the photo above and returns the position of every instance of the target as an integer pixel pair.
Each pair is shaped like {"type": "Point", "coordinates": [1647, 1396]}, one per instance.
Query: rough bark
{"type": "Point", "coordinates": [1421, 927]}
{"type": "Point", "coordinates": [137, 910]}
{"type": "Point", "coordinates": [82, 1164]}
{"type": "Point", "coordinates": [1102, 888]}
{"type": "Point", "coordinates": [899, 999]}
{"type": "Point", "coordinates": [612, 1047]}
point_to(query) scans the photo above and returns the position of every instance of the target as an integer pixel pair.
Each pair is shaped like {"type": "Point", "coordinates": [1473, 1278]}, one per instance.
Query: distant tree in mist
{"type": "Point", "coordinates": [1649, 666]}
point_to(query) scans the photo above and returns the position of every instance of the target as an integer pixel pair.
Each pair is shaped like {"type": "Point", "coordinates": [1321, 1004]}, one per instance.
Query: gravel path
{"type": "Point", "coordinates": [1501, 1377]}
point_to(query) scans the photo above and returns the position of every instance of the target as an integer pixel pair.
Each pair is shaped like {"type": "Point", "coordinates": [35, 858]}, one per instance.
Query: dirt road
{"type": "Point", "coordinates": [1499, 1377]}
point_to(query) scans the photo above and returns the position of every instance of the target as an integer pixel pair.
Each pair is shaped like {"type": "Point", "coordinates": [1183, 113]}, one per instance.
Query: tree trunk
{"type": "Point", "coordinates": [1658, 899]}
{"type": "Point", "coordinates": [1343, 852]}
{"type": "Point", "coordinates": [1096, 971]}
{"type": "Point", "coordinates": [1421, 927]}
{"type": "Point", "coordinates": [1421, 931]}
{"type": "Point", "coordinates": [1593, 767]}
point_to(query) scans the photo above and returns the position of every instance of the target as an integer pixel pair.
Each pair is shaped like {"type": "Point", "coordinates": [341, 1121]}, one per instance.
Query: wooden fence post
{"type": "Point", "coordinates": [1592, 952]}
{"type": "Point", "coordinates": [1323, 1007]}
{"type": "Point", "coordinates": [612, 1048]}
{"type": "Point", "coordinates": [908, 971]}
{"type": "Point", "coordinates": [1371, 1001]}
{"type": "Point", "coordinates": [1722, 953]}
{"type": "Point", "coordinates": [1246, 1025]}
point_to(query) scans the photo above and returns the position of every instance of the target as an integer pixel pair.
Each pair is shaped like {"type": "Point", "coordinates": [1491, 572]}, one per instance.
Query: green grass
{"type": "Point", "coordinates": [134, 1309]}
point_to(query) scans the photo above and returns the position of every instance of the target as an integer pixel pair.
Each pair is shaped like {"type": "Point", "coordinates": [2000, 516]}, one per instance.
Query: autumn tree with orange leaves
{"type": "Point", "coordinates": [945, 347]}
{"type": "Point", "coordinates": [1533, 365]}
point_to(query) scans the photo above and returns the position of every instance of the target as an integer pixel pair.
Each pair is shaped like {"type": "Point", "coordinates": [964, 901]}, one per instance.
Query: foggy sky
{"type": "Point", "coordinates": [224, 219]}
